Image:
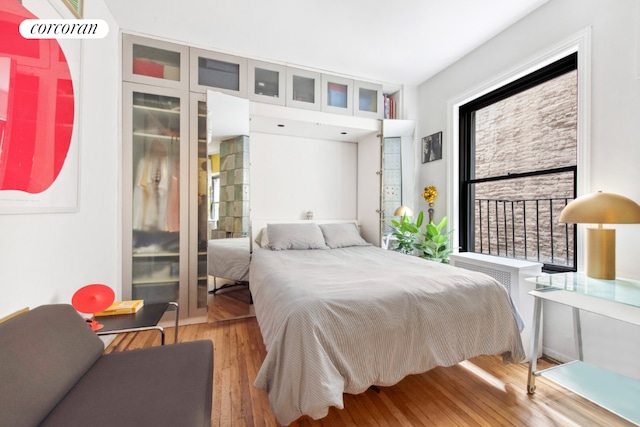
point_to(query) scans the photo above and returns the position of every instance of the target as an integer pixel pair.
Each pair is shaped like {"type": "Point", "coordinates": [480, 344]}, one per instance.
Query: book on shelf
{"type": "Point", "coordinates": [390, 110]}
{"type": "Point", "coordinates": [122, 307]}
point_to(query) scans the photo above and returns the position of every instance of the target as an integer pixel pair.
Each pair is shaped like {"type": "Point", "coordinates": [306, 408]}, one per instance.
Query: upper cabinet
{"type": "Point", "coordinates": [303, 89]}
{"type": "Point", "coordinates": [337, 94]}
{"type": "Point", "coordinates": [218, 71]}
{"type": "Point", "coordinates": [368, 100]}
{"type": "Point", "coordinates": [267, 82]}
{"type": "Point", "coordinates": [164, 64]}
{"type": "Point", "coordinates": [155, 62]}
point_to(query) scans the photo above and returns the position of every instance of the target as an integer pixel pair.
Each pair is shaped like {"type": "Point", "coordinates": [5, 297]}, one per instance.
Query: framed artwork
{"type": "Point", "coordinates": [39, 134]}
{"type": "Point", "coordinates": [432, 147]}
{"type": "Point", "coordinates": [76, 7]}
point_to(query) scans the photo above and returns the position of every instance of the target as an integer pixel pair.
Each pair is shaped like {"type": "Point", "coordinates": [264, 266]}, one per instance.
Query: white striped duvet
{"type": "Point", "coordinates": [341, 320]}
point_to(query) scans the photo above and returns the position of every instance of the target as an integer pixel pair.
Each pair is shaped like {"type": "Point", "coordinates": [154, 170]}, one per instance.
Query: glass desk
{"type": "Point", "coordinates": [145, 319]}
{"type": "Point", "coordinates": [618, 299]}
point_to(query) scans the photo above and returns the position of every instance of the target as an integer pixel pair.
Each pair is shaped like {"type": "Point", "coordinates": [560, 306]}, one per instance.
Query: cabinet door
{"type": "Point", "coordinates": [155, 194]}
{"type": "Point", "coordinates": [368, 100]}
{"type": "Point", "coordinates": [155, 62]}
{"type": "Point", "coordinates": [303, 89]}
{"type": "Point", "coordinates": [337, 95]}
{"type": "Point", "coordinates": [267, 82]}
{"type": "Point", "coordinates": [198, 205]}
{"type": "Point", "coordinates": [218, 71]}
{"type": "Point", "coordinates": [369, 187]}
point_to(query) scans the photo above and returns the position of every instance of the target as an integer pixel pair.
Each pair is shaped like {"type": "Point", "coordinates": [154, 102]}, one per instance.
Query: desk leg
{"type": "Point", "coordinates": [535, 339]}
{"type": "Point", "coordinates": [577, 332]}
{"type": "Point", "coordinates": [175, 304]}
{"type": "Point", "coordinates": [145, 328]}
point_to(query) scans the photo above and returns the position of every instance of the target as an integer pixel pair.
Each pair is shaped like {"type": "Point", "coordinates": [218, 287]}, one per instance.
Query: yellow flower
{"type": "Point", "coordinates": [430, 194]}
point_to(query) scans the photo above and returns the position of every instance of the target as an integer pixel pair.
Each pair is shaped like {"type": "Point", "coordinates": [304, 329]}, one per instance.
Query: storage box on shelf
{"type": "Point", "coordinates": [218, 71]}
{"type": "Point", "coordinates": [155, 62]}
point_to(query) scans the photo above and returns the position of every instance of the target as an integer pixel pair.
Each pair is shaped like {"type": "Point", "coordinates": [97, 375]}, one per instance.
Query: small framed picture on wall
{"type": "Point", "coordinates": [76, 7]}
{"type": "Point", "coordinates": [432, 147]}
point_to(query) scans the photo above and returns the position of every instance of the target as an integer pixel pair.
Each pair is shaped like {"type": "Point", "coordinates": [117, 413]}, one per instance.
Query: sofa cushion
{"type": "Point", "coordinates": [43, 353]}
{"type": "Point", "coordinates": [159, 386]}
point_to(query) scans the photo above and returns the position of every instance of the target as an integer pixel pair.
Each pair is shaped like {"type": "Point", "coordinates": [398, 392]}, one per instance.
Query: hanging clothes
{"type": "Point", "coordinates": [173, 209]}
{"type": "Point", "coordinates": [150, 193]}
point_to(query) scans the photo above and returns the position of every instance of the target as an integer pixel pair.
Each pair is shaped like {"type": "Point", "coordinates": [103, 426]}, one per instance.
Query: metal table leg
{"type": "Point", "coordinates": [535, 338]}
{"type": "Point", "coordinates": [577, 332]}
{"type": "Point", "coordinates": [175, 304]}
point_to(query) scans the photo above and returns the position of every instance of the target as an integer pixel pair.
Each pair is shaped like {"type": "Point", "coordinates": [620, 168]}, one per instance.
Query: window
{"type": "Point", "coordinates": [518, 168]}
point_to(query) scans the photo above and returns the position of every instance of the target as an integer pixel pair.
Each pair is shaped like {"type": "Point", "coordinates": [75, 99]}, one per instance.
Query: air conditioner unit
{"type": "Point", "coordinates": [511, 274]}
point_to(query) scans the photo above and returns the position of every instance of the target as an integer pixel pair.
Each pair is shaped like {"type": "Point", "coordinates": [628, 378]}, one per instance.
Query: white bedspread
{"type": "Point", "coordinates": [229, 258]}
{"type": "Point", "coordinates": [341, 320]}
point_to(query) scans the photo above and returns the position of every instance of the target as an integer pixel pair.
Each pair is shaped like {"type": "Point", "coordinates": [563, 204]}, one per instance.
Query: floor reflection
{"type": "Point", "coordinates": [229, 303]}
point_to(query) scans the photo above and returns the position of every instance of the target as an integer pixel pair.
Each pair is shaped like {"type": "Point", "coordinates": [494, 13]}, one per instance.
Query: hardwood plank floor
{"type": "Point", "coordinates": [477, 392]}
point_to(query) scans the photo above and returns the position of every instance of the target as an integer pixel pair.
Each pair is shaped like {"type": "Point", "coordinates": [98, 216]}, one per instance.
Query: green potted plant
{"type": "Point", "coordinates": [406, 233]}
{"type": "Point", "coordinates": [434, 244]}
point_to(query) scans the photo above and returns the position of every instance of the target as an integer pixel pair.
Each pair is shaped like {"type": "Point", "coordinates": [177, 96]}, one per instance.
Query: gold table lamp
{"type": "Point", "coordinates": [601, 208]}
{"type": "Point", "coordinates": [403, 210]}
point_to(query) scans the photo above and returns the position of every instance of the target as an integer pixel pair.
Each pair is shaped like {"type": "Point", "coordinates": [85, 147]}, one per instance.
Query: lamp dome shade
{"type": "Point", "coordinates": [403, 210]}
{"type": "Point", "coordinates": [93, 298]}
{"type": "Point", "coordinates": [601, 208]}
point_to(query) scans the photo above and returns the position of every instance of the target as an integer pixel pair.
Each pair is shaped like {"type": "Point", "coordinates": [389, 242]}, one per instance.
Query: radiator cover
{"type": "Point", "coordinates": [511, 274]}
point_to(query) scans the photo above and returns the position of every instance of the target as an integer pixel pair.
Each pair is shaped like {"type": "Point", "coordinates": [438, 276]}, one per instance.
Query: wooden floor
{"type": "Point", "coordinates": [478, 392]}
{"type": "Point", "coordinates": [231, 303]}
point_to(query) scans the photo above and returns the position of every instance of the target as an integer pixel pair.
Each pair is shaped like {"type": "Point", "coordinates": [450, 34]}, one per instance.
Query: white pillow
{"type": "Point", "coordinates": [262, 239]}
{"type": "Point", "coordinates": [342, 235]}
{"type": "Point", "coordinates": [295, 236]}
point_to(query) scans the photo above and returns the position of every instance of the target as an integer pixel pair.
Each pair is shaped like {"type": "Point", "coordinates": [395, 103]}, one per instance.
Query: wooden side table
{"type": "Point", "coordinates": [145, 319]}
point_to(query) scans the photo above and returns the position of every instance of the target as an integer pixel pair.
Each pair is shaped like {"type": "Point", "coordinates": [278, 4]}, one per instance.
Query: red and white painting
{"type": "Point", "coordinates": [38, 118]}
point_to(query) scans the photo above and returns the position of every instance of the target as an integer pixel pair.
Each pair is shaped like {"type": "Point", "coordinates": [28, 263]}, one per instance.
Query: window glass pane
{"type": "Point", "coordinates": [368, 100]}
{"type": "Point", "coordinates": [518, 218]}
{"type": "Point", "coordinates": [304, 89]}
{"type": "Point", "coordinates": [203, 207]}
{"type": "Point", "coordinates": [154, 62]}
{"type": "Point", "coordinates": [391, 179]}
{"type": "Point", "coordinates": [532, 130]}
{"type": "Point", "coordinates": [337, 95]}
{"type": "Point", "coordinates": [156, 201]}
{"type": "Point", "coordinates": [214, 73]}
{"type": "Point", "coordinates": [266, 83]}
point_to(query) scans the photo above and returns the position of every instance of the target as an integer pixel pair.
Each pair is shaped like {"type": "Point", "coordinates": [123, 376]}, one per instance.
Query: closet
{"type": "Point", "coordinates": [164, 194]}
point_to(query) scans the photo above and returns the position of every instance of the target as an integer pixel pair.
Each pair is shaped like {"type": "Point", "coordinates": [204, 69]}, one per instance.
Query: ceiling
{"type": "Point", "coordinates": [403, 42]}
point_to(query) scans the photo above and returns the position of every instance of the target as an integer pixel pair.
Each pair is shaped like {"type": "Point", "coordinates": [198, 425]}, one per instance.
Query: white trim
{"type": "Point", "coordinates": [580, 43]}
{"type": "Point", "coordinates": [637, 39]}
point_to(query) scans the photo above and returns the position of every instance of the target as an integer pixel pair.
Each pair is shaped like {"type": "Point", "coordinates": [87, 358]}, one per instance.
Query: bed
{"type": "Point", "coordinates": [228, 259]}
{"type": "Point", "coordinates": [340, 316]}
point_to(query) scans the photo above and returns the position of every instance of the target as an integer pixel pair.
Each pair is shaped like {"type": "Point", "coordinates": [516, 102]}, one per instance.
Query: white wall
{"type": "Point", "coordinates": [45, 258]}
{"type": "Point", "coordinates": [291, 175]}
{"type": "Point", "coordinates": [614, 128]}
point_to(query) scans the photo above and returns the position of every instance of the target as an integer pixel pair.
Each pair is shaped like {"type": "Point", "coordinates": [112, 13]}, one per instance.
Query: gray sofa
{"type": "Point", "coordinates": [53, 373]}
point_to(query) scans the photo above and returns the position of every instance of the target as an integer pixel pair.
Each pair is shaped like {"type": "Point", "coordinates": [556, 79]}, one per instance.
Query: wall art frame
{"type": "Point", "coordinates": [76, 7]}
{"type": "Point", "coordinates": [39, 169]}
{"type": "Point", "coordinates": [432, 147]}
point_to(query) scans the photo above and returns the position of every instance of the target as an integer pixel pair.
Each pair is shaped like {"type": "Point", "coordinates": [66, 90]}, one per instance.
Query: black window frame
{"type": "Point", "coordinates": [467, 152]}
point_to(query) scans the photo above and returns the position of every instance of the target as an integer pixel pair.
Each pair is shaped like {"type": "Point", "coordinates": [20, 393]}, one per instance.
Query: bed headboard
{"type": "Point", "coordinates": [259, 224]}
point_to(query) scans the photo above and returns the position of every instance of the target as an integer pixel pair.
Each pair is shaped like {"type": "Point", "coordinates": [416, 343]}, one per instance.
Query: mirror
{"type": "Point", "coordinates": [228, 206]}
